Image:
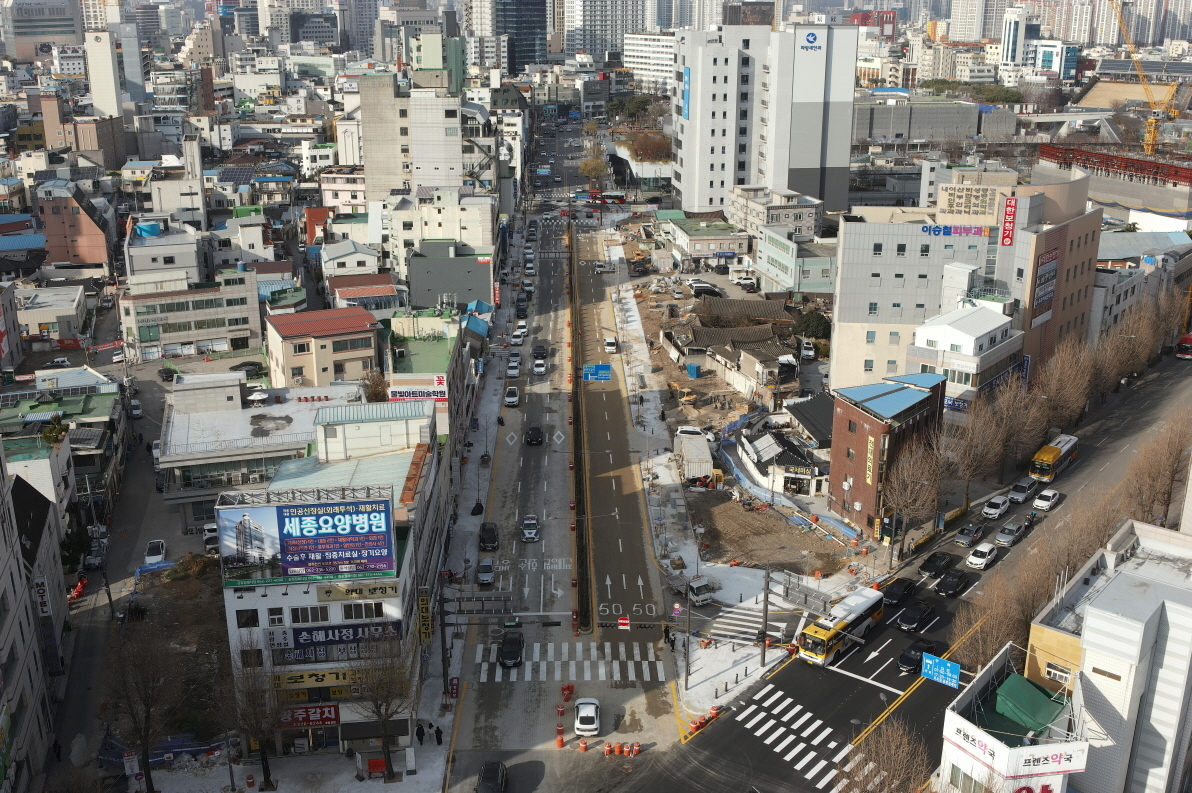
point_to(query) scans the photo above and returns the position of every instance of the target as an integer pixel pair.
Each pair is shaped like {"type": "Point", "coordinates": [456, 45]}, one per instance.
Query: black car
{"type": "Point", "coordinates": [951, 583]}
{"type": "Point", "coordinates": [912, 657]}
{"type": "Point", "coordinates": [523, 312]}
{"type": "Point", "coordinates": [488, 537]}
{"type": "Point", "coordinates": [166, 375]}
{"type": "Point", "coordinates": [512, 646]}
{"type": "Point", "coordinates": [492, 778]}
{"type": "Point", "coordinates": [540, 352]}
{"type": "Point", "coordinates": [915, 616]}
{"type": "Point", "coordinates": [534, 436]}
{"type": "Point", "coordinates": [160, 482]}
{"type": "Point", "coordinates": [896, 590]}
{"type": "Point", "coordinates": [236, 367]}
{"type": "Point", "coordinates": [935, 564]}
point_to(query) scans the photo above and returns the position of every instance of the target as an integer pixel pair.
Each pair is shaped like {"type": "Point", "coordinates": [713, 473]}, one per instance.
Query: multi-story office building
{"type": "Point", "coordinates": [599, 26]}
{"type": "Point", "coordinates": [973, 20]}
{"type": "Point", "coordinates": [30, 28]}
{"type": "Point", "coordinates": [524, 22]}
{"type": "Point", "coordinates": [764, 107]}
{"type": "Point", "coordinates": [315, 348]}
{"type": "Point", "coordinates": [77, 229]}
{"type": "Point", "coordinates": [754, 206]}
{"type": "Point", "coordinates": [176, 94]}
{"type": "Point", "coordinates": [651, 59]}
{"type": "Point", "coordinates": [103, 74]}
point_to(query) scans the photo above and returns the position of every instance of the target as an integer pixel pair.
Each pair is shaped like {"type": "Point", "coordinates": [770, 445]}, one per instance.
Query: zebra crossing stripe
{"type": "Point", "coordinates": [529, 672]}
{"type": "Point", "coordinates": [783, 743]}
{"type": "Point", "coordinates": [661, 672]}
{"type": "Point", "coordinates": [761, 714]}
{"type": "Point", "coordinates": [762, 693]}
{"type": "Point", "coordinates": [782, 706]}
{"type": "Point", "coordinates": [480, 653]}
{"type": "Point", "coordinates": [815, 769]}
{"type": "Point", "coordinates": [762, 729]}
{"type": "Point", "coordinates": [646, 672]}
{"type": "Point", "coordinates": [650, 652]}
{"type": "Point", "coordinates": [637, 652]}
{"type": "Point", "coordinates": [600, 668]}
{"type": "Point", "coordinates": [827, 778]}
{"type": "Point", "coordinates": [810, 756]}
{"type": "Point", "coordinates": [811, 728]}
{"type": "Point", "coordinates": [848, 747]}
{"type": "Point", "coordinates": [616, 671]}
{"type": "Point", "coordinates": [542, 671]}
{"type": "Point", "coordinates": [632, 678]}
{"type": "Point", "coordinates": [794, 752]}
{"type": "Point", "coordinates": [558, 671]}
{"type": "Point", "coordinates": [822, 735]}
{"type": "Point", "coordinates": [767, 703]}
{"type": "Point", "coordinates": [497, 672]}
{"type": "Point", "coordinates": [484, 672]}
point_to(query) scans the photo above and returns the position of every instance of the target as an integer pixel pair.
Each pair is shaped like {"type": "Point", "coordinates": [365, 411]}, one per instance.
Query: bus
{"type": "Point", "coordinates": [608, 197]}
{"type": "Point", "coordinates": [1183, 347]}
{"type": "Point", "coordinates": [820, 642]}
{"type": "Point", "coordinates": [1053, 458]}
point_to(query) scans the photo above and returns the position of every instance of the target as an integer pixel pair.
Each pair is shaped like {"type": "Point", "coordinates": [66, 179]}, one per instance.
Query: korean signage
{"type": "Point", "coordinates": [357, 591]}
{"type": "Point", "coordinates": [941, 670]}
{"type": "Point", "coordinates": [335, 677]}
{"type": "Point", "coordinates": [956, 231]}
{"type": "Point", "coordinates": [291, 638]}
{"type": "Point", "coordinates": [107, 345]}
{"type": "Point", "coordinates": [1009, 218]}
{"type": "Point", "coordinates": [305, 718]}
{"type": "Point", "coordinates": [306, 542]}
{"type": "Point", "coordinates": [968, 199]}
{"type": "Point", "coordinates": [1067, 758]}
{"type": "Point", "coordinates": [800, 470]}
{"type": "Point", "coordinates": [1047, 268]}
{"type": "Point", "coordinates": [1014, 762]}
{"type": "Point", "coordinates": [952, 403]}
{"type": "Point", "coordinates": [687, 92]}
{"type": "Point", "coordinates": [426, 622]}
{"type": "Point", "coordinates": [41, 596]}
{"type": "Point", "coordinates": [433, 387]}
{"type": "Point", "coordinates": [869, 461]}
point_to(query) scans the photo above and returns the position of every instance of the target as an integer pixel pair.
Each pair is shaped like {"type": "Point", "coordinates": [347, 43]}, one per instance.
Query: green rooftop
{"type": "Point", "coordinates": [83, 407]}
{"type": "Point", "coordinates": [424, 357]}
{"type": "Point", "coordinates": [696, 228]}
{"type": "Point", "coordinates": [352, 217]}
{"type": "Point", "coordinates": [287, 297]}
{"type": "Point", "coordinates": [25, 448]}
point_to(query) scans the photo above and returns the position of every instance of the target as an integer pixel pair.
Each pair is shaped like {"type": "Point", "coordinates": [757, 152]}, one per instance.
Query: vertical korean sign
{"type": "Point", "coordinates": [1009, 217]}
{"type": "Point", "coordinates": [869, 453]}
{"type": "Point", "coordinates": [426, 620]}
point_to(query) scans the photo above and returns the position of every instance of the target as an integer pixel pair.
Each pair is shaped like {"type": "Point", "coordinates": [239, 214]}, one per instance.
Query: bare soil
{"type": "Point", "coordinates": [757, 538]}
{"type": "Point", "coordinates": [1107, 92]}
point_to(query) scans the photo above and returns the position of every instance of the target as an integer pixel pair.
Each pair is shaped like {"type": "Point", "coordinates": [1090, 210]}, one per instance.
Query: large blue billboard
{"type": "Point", "coordinates": [306, 542]}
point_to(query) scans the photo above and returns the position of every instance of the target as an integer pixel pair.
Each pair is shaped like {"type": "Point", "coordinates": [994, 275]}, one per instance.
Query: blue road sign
{"type": "Point", "coordinates": [941, 670]}
{"type": "Point", "coordinates": [573, 114]}
{"type": "Point", "coordinates": [598, 371]}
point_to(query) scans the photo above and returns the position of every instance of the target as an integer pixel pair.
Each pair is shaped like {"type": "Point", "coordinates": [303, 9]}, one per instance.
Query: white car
{"type": "Point", "coordinates": [210, 530]}
{"type": "Point", "coordinates": [530, 269]}
{"type": "Point", "coordinates": [610, 346]}
{"type": "Point", "coordinates": [529, 529]}
{"type": "Point", "coordinates": [995, 507]}
{"type": "Point", "coordinates": [587, 716]}
{"type": "Point", "coordinates": [518, 337]}
{"type": "Point", "coordinates": [982, 556]}
{"type": "Point", "coordinates": [485, 570]}
{"type": "Point", "coordinates": [539, 367]}
{"type": "Point", "coordinates": [528, 286]}
{"type": "Point", "coordinates": [512, 397]}
{"type": "Point", "coordinates": [1047, 499]}
{"type": "Point", "coordinates": [521, 327]}
{"type": "Point", "coordinates": [135, 409]}
{"type": "Point", "coordinates": [808, 350]}
{"type": "Point", "coordinates": [118, 357]}
{"type": "Point", "coordinates": [155, 551]}
{"type": "Point", "coordinates": [528, 249]}
{"type": "Point", "coordinates": [513, 369]}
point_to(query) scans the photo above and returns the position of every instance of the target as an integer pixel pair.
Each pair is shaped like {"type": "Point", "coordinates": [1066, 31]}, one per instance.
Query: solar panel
{"type": "Point", "coordinates": [236, 175]}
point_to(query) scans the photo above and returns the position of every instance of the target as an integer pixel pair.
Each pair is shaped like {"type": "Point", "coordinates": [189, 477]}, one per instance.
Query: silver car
{"type": "Point", "coordinates": [485, 570]}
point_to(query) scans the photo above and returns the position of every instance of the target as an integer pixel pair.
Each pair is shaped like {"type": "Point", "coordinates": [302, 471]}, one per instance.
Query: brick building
{"type": "Point", "coordinates": [76, 229]}
{"type": "Point", "coordinates": [870, 425]}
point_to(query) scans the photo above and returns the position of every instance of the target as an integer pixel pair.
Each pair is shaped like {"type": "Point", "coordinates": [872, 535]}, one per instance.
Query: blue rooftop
{"type": "Point", "coordinates": [479, 307]}
{"type": "Point", "coordinates": [15, 218]}
{"type": "Point", "coordinates": [23, 242]}
{"type": "Point", "coordinates": [273, 178]}
{"type": "Point", "coordinates": [919, 380]}
{"type": "Point", "coordinates": [140, 164]}
{"type": "Point", "coordinates": [894, 396]}
{"type": "Point", "coordinates": [476, 325]}
{"type": "Point", "coordinates": [1128, 244]}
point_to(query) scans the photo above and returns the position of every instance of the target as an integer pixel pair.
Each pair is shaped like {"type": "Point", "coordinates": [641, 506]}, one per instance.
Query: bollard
{"type": "Point", "coordinates": [608, 748]}
{"type": "Point", "coordinates": [249, 781]}
{"type": "Point", "coordinates": [716, 692]}
{"type": "Point", "coordinates": [571, 465]}
{"type": "Point", "coordinates": [573, 505]}
{"type": "Point", "coordinates": [637, 748]}
{"type": "Point", "coordinates": [736, 679]}
{"type": "Point", "coordinates": [575, 581]}
{"type": "Point", "coordinates": [570, 395]}
{"type": "Point", "coordinates": [703, 722]}
{"type": "Point", "coordinates": [573, 525]}
{"type": "Point", "coordinates": [583, 744]}
{"type": "Point", "coordinates": [561, 710]}
{"type": "Point", "coordinates": [559, 728]}
{"type": "Point", "coordinates": [570, 419]}
{"type": "Point", "coordinates": [694, 726]}
{"type": "Point", "coordinates": [559, 742]}
{"type": "Point", "coordinates": [715, 712]}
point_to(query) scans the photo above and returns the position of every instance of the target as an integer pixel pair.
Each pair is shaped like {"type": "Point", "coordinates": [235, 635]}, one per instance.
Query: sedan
{"type": "Point", "coordinates": [587, 716]}
{"type": "Point", "coordinates": [492, 778]}
{"type": "Point", "coordinates": [1010, 534]}
{"type": "Point", "coordinates": [996, 507]}
{"type": "Point", "coordinates": [236, 367]}
{"type": "Point", "coordinates": [488, 537]}
{"type": "Point", "coordinates": [968, 535]}
{"type": "Point", "coordinates": [211, 546]}
{"type": "Point", "coordinates": [951, 583]}
{"type": "Point", "coordinates": [134, 409]}
{"type": "Point", "coordinates": [513, 369]}
{"type": "Point", "coordinates": [534, 436]}
{"type": "Point", "coordinates": [512, 646]}
{"type": "Point", "coordinates": [518, 337]}
{"type": "Point", "coordinates": [155, 551]}
{"type": "Point", "coordinates": [539, 367]}
{"type": "Point", "coordinates": [529, 529]}
{"type": "Point", "coordinates": [896, 590]}
{"type": "Point", "coordinates": [982, 556]}
{"type": "Point", "coordinates": [916, 616]}
{"type": "Point", "coordinates": [935, 564]}
{"type": "Point", "coordinates": [512, 397]}
{"type": "Point", "coordinates": [1047, 499]}
{"type": "Point", "coordinates": [912, 657]}
{"type": "Point", "coordinates": [485, 570]}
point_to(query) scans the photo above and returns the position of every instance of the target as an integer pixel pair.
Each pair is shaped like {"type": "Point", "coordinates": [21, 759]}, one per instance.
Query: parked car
{"type": "Point", "coordinates": [896, 590]}
{"type": "Point", "coordinates": [155, 551]}
{"type": "Point", "coordinates": [244, 365]}
{"type": "Point", "coordinates": [522, 312]}
{"type": "Point", "coordinates": [489, 540]}
{"type": "Point", "coordinates": [486, 571]}
{"type": "Point", "coordinates": [1010, 534]}
{"type": "Point", "coordinates": [58, 363]}
{"type": "Point", "coordinates": [159, 481]}
{"type": "Point", "coordinates": [513, 644]}
{"type": "Point", "coordinates": [916, 616]}
{"type": "Point", "coordinates": [951, 583]}
{"type": "Point", "coordinates": [531, 269]}
{"type": "Point", "coordinates": [968, 535]}
{"type": "Point", "coordinates": [521, 326]}
{"type": "Point", "coordinates": [515, 357]}
{"type": "Point", "coordinates": [911, 659]}
{"type": "Point", "coordinates": [1047, 499]}
{"type": "Point", "coordinates": [587, 716]}
{"type": "Point", "coordinates": [211, 546]}
{"type": "Point", "coordinates": [529, 529]}
{"type": "Point", "coordinates": [512, 397]}
{"type": "Point", "coordinates": [134, 409]}
{"type": "Point", "coordinates": [166, 375]}
{"type": "Point", "coordinates": [107, 302]}
{"type": "Point", "coordinates": [935, 564]}
{"type": "Point", "coordinates": [982, 556]}
{"type": "Point", "coordinates": [1023, 489]}
{"type": "Point", "coordinates": [807, 350]}
{"type": "Point", "coordinates": [995, 507]}
{"type": "Point", "coordinates": [492, 778]}
{"type": "Point", "coordinates": [513, 369]}
{"type": "Point", "coordinates": [518, 337]}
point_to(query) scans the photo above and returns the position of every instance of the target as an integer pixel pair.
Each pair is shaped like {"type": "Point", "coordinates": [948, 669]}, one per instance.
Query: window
{"type": "Point", "coordinates": [167, 260]}
{"type": "Point", "coordinates": [852, 426]}
{"type": "Point", "coordinates": [351, 344]}
{"type": "Point", "coordinates": [206, 324]}
{"type": "Point", "coordinates": [877, 249]}
{"type": "Point", "coordinates": [895, 339]}
{"type": "Point", "coordinates": [303, 615]}
{"type": "Point", "coordinates": [301, 348]}
{"type": "Point", "coordinates": [872, 309]}
{"type": "Point", "coordinates": [252, 657]}
{"type": "Point", "coordinates": [233, 282]}
{"type": "Point", "coordinates": [744, 46]}
{"type": "Point", "coordinates": [850, 454]}
{"type": "Point", "coordinates": [891, 367]}
{"type": "Point", "coordinates": [870, 336]}
{"type": "Point", "coordinates": [931, 343]}
{"type": "Point", "coordinates": [451, 114]}
{"type": "Point", "coordinates": [895, 305]}
{"type": "Point", "coordinates": [247, 618]}
{"type": "Point", "coordinates": [744, 96]}
{"type": "Point", "coordinates": [954, 347]}
{"type": "Point", "coordinates": [276, 618]}
{"type": "Point", "coordinates": [923, 276]}
{"type": "Point", "coordinates": [174, 327]}
{"type": "Point", "coordinates": [741, 131]}
{"type": "Point", "coordinates": [214, 302]}
{"type": "Point", "coordinates": [965, 783]}
{"type": "Point", "coordinates": [235, 321]}
{"type": "Point", "coordinates": [925, 249]}
{"type": "Point", "coordinates": [236, 301]}
{"type": "Point", "coordinates": [901, 249]}
{"type": "Point", "coordinates": [339, 367]}
{"type": "Point", "coordinates": [364, 611]}
{"type": "Point", "coordinates": [295, 371]}
{"type": "Point", "coordinates": [868, 365]}
{"type": "Point", "coordinates": [875, 275]}
{"type": "Point", "coordinates": [403, 131]}
{"type": "Point", "coordinates": [1060, 674]}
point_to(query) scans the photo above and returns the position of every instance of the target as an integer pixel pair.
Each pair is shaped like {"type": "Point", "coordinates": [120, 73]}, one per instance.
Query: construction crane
{"type": "Point", "coordinates": [1160, 110]}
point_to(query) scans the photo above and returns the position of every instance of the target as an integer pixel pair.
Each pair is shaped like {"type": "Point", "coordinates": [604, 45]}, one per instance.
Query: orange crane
{"type": "Point", "coordinates": [1161, 111]}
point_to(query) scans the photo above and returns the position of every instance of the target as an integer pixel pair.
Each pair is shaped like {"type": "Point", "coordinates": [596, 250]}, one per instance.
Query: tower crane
{"type": "Point", "coordinates": [1161, 110]}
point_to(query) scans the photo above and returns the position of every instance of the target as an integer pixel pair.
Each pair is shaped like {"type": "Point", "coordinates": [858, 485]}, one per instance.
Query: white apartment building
{"type": "Point", "coordinates": [651, 58]}
{"type": "Point", "coordinates": [973, 20]}
{"type": "Point", "coordinates": [599, 26]}
{"type": "Point", "coordinates": [754, 206]}
{"type": "Point", "coordinates": [160, 244]}
{"type": "Point", "coordinates": [70, 59]}
{"type": "Point", "coordinates": [1114, 293]}
{"type": "Point", "coordinates": [764, 107]}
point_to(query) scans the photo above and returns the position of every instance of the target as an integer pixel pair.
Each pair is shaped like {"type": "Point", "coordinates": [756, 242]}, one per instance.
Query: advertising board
{"type": "Point", "coordinates": [292, 543]}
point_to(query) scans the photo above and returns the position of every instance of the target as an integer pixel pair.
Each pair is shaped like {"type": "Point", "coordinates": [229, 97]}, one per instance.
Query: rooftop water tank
{"type": "Point", "coordinates": [151, 229]}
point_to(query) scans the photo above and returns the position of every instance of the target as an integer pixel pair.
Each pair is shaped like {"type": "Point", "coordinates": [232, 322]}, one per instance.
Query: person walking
{"type": "Point", "coordinates": [439, 736]}
{"type": "Point", "coordinates": [57, 751]}
{"type": "Point", "coordinates": [420, 733]}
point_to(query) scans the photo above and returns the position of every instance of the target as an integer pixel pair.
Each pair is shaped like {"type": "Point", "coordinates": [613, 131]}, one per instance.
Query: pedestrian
{"type": "Point", "coordinates": [140, 438]}
{"type": "Point", "coordinates": [438, 736]}
{"type": "Point", "coordinates": [148, 447]}
{"type": "Point", "coordinates": [420, 733]}
{"type": "Point", "coordinates": [57, 751]}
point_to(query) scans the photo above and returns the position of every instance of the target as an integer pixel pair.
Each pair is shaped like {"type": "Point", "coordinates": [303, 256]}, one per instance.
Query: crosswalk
{"type": "Point", "coordinates": [618, 662]}
{"type": "Point", "coordinates": [794, 733]}
{"type": "Point", "coordinates": [742, 624]}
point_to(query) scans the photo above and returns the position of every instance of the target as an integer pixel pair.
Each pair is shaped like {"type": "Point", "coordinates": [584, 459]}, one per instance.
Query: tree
{"type": "Point", "coordinates": [591, 128]}
{"type": "Point", "coordinates": [973, 446]}
{"type": "Point", "coordinates": [1065, 381]}
{"type": "Point", "coordinates": [1160, 464]}
{"type": "Point", "coordinates": [910, 490]}
{"type": "Point", "coordinates": [813, 325]}
{"type": "Point", "coordinates": [652, 147]}
{"type": "Point", "coordinates": [258, 708]}
{"type": "Point", "coordinates": [592, 168]}
{"type": "Point", "coordinates": [376, 387]}
{"type": "Point", "coordinates": [615, 107]}
{"type": "Point", "coordinates": [892, 758]}
{"type": "Point", "coordinates": [145, 688]}
{"type": "Point", "coordinates": [637, 106]}
{"type": "Point", "coordinates": [387, 676]}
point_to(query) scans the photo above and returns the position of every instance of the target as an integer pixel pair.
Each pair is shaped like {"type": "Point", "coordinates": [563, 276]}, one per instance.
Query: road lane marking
{"type": "Point", "coordinates": [848, 747]}
{"type": "Point", "coordinates": [587, 670]}
{"type": "Point", "coordinates": [827, 778]}
{"type": "Point", "coordinates": [791, 715]}
{"type": "Point", "coordinates": [880, 668]}
{"type": "Point", "coordinates": [761, 714]}
{"type": "Point", "coordinates": [484, 672]}
{"type": "Point", "coordinates": [815, 769]}
{"type": "Point", "coordinates": [558, 671]}
{"type": "Point", "coordinates": [760, 731]}
{"type": "Point", "coordinates": [783, 706]}
{"type": "Point", "coordinates": [811, 728]}
{"type": "Point", "coordinates": [783, 743]}
{"type": "Point", "coordinates": [822, 735]}
{"type": "Point", "coordinates": [778, 732]}
{"type": "Point", "coordinates": [795, 751]}
{"type": "Point", "coordinates": [769, 701]}
{"type": "Point", "coordinates": [661, 672]}
{"type": "Point", "coordinates": [810, 756]}
{"type": "Point", "coordinates": [866, 680]}
{"type": "Point", "coordinates": [804, 718]}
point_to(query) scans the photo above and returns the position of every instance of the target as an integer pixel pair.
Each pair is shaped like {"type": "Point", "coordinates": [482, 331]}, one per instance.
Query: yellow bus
{"type": "Point", "coordinates": [1053, 458]}
{"type": "Point", "coordinates": [823, 639]}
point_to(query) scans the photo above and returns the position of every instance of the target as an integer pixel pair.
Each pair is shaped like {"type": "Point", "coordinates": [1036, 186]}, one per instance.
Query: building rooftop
{"type": "Point", "coordinates": [868, 214]}
{"type": "Point", "coordinates": [28, 447]}
{"type": "Point", "coordinates": [366, 291]}
{"type": "Point", "coordinates": [53, 298]}
{"type": "Point", "coordinates": [346, 248]}
{"type": "Point", "coordinates": [375, 411]}
{"type": "Point", "coordinates": [706, 228]}
{"type": "Point", "coordinates": [973, 321]}
{"type": "Point", "coordinates": [890, 399]}
{"type": "Point", "coordinates": [424, 357]}
{"type": "Point", "coordinates": [380, 469]}
{"type": "Point", "coordinates": [1129, 244]}
{"type": "Point", "coordinates": [22, 242]}
{"type": "Point", "coordinates": [328, 322]}
{"type": "Point", "coordinates": [337, 282]}
{"type": "Point", "coordinates": [77, 407]}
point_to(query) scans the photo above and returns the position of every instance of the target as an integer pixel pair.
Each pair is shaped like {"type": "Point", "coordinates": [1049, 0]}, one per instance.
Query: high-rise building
{"type": "Point", "coordinates": [103, 73]}
{"type": "Point", "coordinates": [274, 17]}
{"type": "Point", "coordinates": [134, 61]}
{"type": "Point", "coordinates": [525, 22]}
{"type": "Point", "coordinates": [599, 26]}
{"type": "Point", "coordinates": [1014, 36]}
{"type": "Point", "coordinates": [31, 28]}
{"type": "Point", "coordinates": [651, 59]}
{"type": "Point", "coordinates": [747, 13]}
{"type": "Point", "coordinates": [357, 22]}
{"type": "Point", "coordinates": [973, 20]}
{"type": "Point", "coordinates": [764, 107]}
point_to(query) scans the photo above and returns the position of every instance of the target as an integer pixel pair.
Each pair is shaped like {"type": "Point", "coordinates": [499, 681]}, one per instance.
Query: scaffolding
{"type": "Point", "coordinates": [1149, 170]}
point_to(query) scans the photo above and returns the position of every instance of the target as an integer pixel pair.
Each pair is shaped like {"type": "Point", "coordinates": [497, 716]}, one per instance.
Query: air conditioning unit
{"type": "Point", "coordinates": [254, 479]}
{"type": "Point", "coordinates": [299, 380]}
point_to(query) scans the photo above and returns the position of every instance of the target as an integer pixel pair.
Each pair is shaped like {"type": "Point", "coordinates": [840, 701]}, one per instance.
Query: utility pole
{"type": "Point", "coordinates": [765, 613]}
{"type": "Point", "coordinates": [687, 643]}
{"type": "Point", "coordinates": [443, 642]}
{"type": "Point", "coordinates": [108, 589]}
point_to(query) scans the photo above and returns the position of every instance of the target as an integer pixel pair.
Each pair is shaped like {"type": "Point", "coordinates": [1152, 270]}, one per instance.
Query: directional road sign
{"type": "Point", "coordinates": [598, 371]}
{"type": "Point", "coordinates": [941, 670]}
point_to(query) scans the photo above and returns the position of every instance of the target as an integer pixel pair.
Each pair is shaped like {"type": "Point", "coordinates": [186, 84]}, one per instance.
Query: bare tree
{"type": "Point", "coordinates": [1111, 361]}
{"type": "Point", "coordinates": [1022, 418]}
{"type": "Point", "coordinates": [1065, 380]}
{"type": "Point", "coordinates": [974, 446]}
{"type": "Point", "coordinates": [1159, 465]}
{"type": "Point", "coordinates": [892, 758]}
{"type": "Point", "coordinates": [1171, 311]}
{"type": "Point", "coordinates": [591, 127]}
{"type": "Point", "coordinates": [911, 487]}
{"type": "Point", "coordinates": [258, 708]}
{"type": "Point", "coordinates": [376, 387]}
{"type": "Point", "coordinates": [387, 675]}
{"type": "Point", "coordinates": [146, 689]}
{"type": "Point", "coordinates": [982, 628]}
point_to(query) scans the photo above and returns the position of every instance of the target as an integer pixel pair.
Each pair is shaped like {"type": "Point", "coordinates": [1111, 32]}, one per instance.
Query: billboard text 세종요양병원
{"type": "Point", "coordinates": [306, 542]}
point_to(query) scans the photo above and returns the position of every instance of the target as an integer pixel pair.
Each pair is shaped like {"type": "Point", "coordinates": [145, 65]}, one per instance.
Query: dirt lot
{"type": "Point", "coordinates": [760, 537]}
{"type": "Point", "coordinates": [1106, 93]}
